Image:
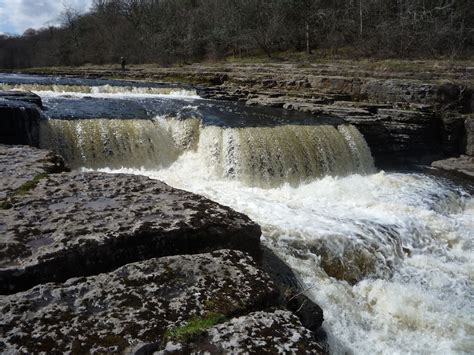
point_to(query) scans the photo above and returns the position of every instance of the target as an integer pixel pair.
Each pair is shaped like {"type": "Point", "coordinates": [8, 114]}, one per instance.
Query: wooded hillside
{"type": "Point", "coordinates": [183, 31]}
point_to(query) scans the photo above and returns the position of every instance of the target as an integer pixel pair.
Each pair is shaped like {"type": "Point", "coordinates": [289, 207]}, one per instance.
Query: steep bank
{"type": "Point", "coordinates": [406, 115]}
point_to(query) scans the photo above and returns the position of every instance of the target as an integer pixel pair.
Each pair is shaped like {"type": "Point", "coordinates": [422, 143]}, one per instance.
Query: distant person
{"type": "Point", "coordinates": [122, 63]}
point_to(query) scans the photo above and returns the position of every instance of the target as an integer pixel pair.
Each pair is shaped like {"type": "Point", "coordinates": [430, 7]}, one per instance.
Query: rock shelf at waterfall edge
{"type": "Point", "coordinates": [87, 251]}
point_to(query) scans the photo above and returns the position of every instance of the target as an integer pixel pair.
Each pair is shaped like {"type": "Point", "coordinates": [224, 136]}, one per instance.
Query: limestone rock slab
{"type": "Point", "coordinates": [139, 304]}
{"type": "Point", "coordinates": [78, 224]}
{"type": "Point", "coordinates": [277, 332]}
{"type": "Point", "coordinates": [463, 165]}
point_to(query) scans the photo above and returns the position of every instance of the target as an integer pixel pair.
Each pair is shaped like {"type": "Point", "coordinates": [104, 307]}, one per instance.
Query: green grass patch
{"type": "Point", "coordinates": [194, 327]}
{"type": "Point", "coordinates": [29, 185]}
{"type": "Point", "coordinates": [7, 203]}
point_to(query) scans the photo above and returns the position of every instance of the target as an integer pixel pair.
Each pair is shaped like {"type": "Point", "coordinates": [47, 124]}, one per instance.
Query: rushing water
{"type": "Point", "coordinates": [388, 256]}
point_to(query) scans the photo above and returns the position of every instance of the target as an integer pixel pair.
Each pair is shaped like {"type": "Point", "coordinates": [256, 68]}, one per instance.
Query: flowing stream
{"type": "Point", "coordinates": [388, 256]}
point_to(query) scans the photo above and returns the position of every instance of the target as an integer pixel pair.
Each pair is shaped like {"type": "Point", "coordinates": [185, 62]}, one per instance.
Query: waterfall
{"type": "Point", "coordinates": [387, 255]}
{"type": "Point", "coordinates": [101, 90]}
{"type": "Point", "coordinates": [260, 156]}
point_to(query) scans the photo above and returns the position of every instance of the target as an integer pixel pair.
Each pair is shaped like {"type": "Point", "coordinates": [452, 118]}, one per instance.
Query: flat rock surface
{"type": "Point", "coordinates": [463, 165]}
{"type": "Point", "coordinates": [20, 164]}
{"type": "Point", "coordinates": [278, 332]}
{"type": "Point", "coordinates": [141, 303]}
{"type": "Point", "coordinates": [79, 224]}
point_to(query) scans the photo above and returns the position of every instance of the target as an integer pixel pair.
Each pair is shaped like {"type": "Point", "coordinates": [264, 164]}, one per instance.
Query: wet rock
{"type": "Point", "coordinates": [291, 293]}
{"type": "Point", "coordinates": [469, 126]}
{"type": "Point", "coordinates": [280, 273]}
{"type": "Point", "coordinates": [277, 332]}
{"type": "Point", "coordinates": [76, 224]}
{"type": "Point", "coordinates": [20, 116]}
{"type": "Point", "coordinates": [464, 165]}
{"type": "Point", "coordinates": [453, 133]}
{"type": "Point", "coordinates": [309, 313]}
{"type": "Point", "coordinates": [20, 165]}
{"type": "Point", "coordinates": [399, 136]}
{"type": "Point", "coordinates": [141, 305]}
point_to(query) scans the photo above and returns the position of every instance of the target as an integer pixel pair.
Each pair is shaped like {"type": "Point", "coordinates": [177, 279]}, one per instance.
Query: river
{"type": "Point", "coordinates": [387, 255]}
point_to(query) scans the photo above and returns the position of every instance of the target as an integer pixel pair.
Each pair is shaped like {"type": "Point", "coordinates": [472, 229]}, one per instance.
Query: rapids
{"type": "Point", "coordinates": [388, 256]}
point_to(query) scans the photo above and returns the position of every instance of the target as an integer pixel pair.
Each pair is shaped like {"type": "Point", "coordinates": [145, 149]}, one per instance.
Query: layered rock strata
{"type": "Point", "coordinates": [76, 224]}
{"type": "Point", "coordinates": [409, 115]}
{"type": "Point", "coordinates": [412, 116]}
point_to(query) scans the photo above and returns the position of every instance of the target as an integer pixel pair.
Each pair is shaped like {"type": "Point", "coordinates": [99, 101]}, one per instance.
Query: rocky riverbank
{"type": "Point", "coordinates": [410, 115]}
{"type": "Point", "coordinates": [93, 262]}
{"type": "Point", "coordinates": [120, 263]}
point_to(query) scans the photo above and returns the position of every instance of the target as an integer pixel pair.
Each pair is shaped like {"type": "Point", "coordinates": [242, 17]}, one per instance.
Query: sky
{"type": "Point", "coordinates": [18, 15]}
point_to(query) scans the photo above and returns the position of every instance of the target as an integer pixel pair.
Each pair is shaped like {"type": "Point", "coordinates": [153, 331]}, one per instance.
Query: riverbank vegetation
{"type": "Point", "coordinates": [184, 31]}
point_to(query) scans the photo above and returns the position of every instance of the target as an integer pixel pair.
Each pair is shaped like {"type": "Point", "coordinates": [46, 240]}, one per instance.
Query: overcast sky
{"type": "Point", "coordinates": [18, 15]}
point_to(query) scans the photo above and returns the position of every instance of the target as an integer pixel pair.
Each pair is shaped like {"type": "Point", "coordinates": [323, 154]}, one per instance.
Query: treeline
{"type": "Point", "coordinates": [171, 31]}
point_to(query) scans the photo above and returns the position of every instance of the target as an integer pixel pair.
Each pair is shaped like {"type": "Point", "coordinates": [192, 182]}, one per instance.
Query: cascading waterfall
{"type": "Point", "coordinates": [388, 256]}
{"type": "Point", "coordinates": [114, 143]}
{"type": "Point", "coordinates": [258, 156]}
{"type": "Point", "coordinates": [102, 90]}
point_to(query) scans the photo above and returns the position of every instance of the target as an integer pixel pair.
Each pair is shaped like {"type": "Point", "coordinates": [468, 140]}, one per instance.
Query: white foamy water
{"type": "Point", "coordinates": [389, 257]}
{"type": "Point", "coordinates": [104, 91]}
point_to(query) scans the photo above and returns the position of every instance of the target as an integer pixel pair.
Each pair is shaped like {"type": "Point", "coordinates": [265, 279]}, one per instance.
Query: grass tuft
{"type": "Point", "coordinates": [7, 203]}
{"type": "Point", "coordinates": [194, 327]}
{"type": "Point", "coordinates": [29, 185]}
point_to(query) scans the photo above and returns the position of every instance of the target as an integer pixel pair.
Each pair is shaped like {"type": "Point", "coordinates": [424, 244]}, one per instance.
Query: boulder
{"type": "Point", "coordinates": [140, 306]}
{"type": "Point", "coordinates": [277, 332]}
{"type": "Point", "coordinates": [77, 224]}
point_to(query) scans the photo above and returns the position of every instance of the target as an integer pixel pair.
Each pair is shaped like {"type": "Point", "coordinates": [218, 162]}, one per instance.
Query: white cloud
{"type": "Point", "coordinates": [18, 15]}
